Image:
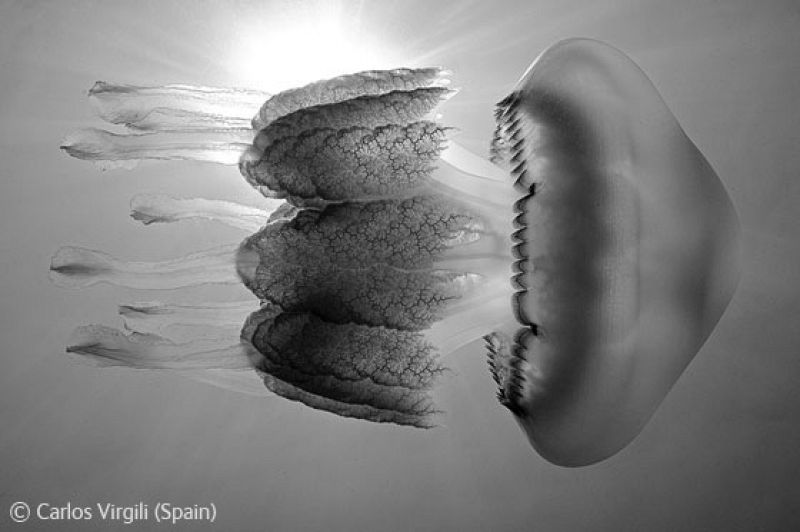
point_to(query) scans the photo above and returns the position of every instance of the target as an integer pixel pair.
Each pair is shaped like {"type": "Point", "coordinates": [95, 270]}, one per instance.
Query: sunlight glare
{"type": "Point", "coordinates": [304, 49]}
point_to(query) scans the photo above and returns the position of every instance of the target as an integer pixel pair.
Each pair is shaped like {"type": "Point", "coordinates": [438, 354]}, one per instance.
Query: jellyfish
{"type": "Point", "coordinates": [593, 252]}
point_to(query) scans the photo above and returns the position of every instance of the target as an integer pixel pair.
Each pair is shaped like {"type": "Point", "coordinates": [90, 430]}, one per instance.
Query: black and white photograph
{"type": "Point", "coordinates": [339, 265]}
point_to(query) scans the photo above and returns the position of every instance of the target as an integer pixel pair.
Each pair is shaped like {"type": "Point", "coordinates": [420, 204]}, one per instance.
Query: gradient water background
{"type": "Point", "coordinates": [720, 454]}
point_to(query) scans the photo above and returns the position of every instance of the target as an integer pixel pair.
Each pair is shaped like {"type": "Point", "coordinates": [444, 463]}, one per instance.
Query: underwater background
{"type": "Point", "coordinates": [720, 453]}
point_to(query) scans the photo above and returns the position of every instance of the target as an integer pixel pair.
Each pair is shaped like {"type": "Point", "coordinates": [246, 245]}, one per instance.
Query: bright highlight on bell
{"type": "Point", "coordinates": [594, 255]}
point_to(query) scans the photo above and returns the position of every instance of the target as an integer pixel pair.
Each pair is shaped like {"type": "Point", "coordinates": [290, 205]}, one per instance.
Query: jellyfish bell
{"type": "Point", "coordinates": [630, 255]}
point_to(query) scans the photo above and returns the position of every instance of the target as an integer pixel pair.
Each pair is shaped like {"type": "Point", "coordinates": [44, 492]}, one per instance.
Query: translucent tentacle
{"type": "Point", "coordinates": [223, 146]}
{"type": "Point", "coordinates": [184, 322]}
{"type": "Point", "coordinates": [464, 160]}
{"type": "Point", "coordinates": [159, 208]}
{"type": "Point", "coordinates": [75, 267]}
{"type": "Point", "coordinates": [107, 346]}
{"type": "Point", "coordinates": [176, 107]}
{"type": "Point", "coordinates": [467, 321]}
